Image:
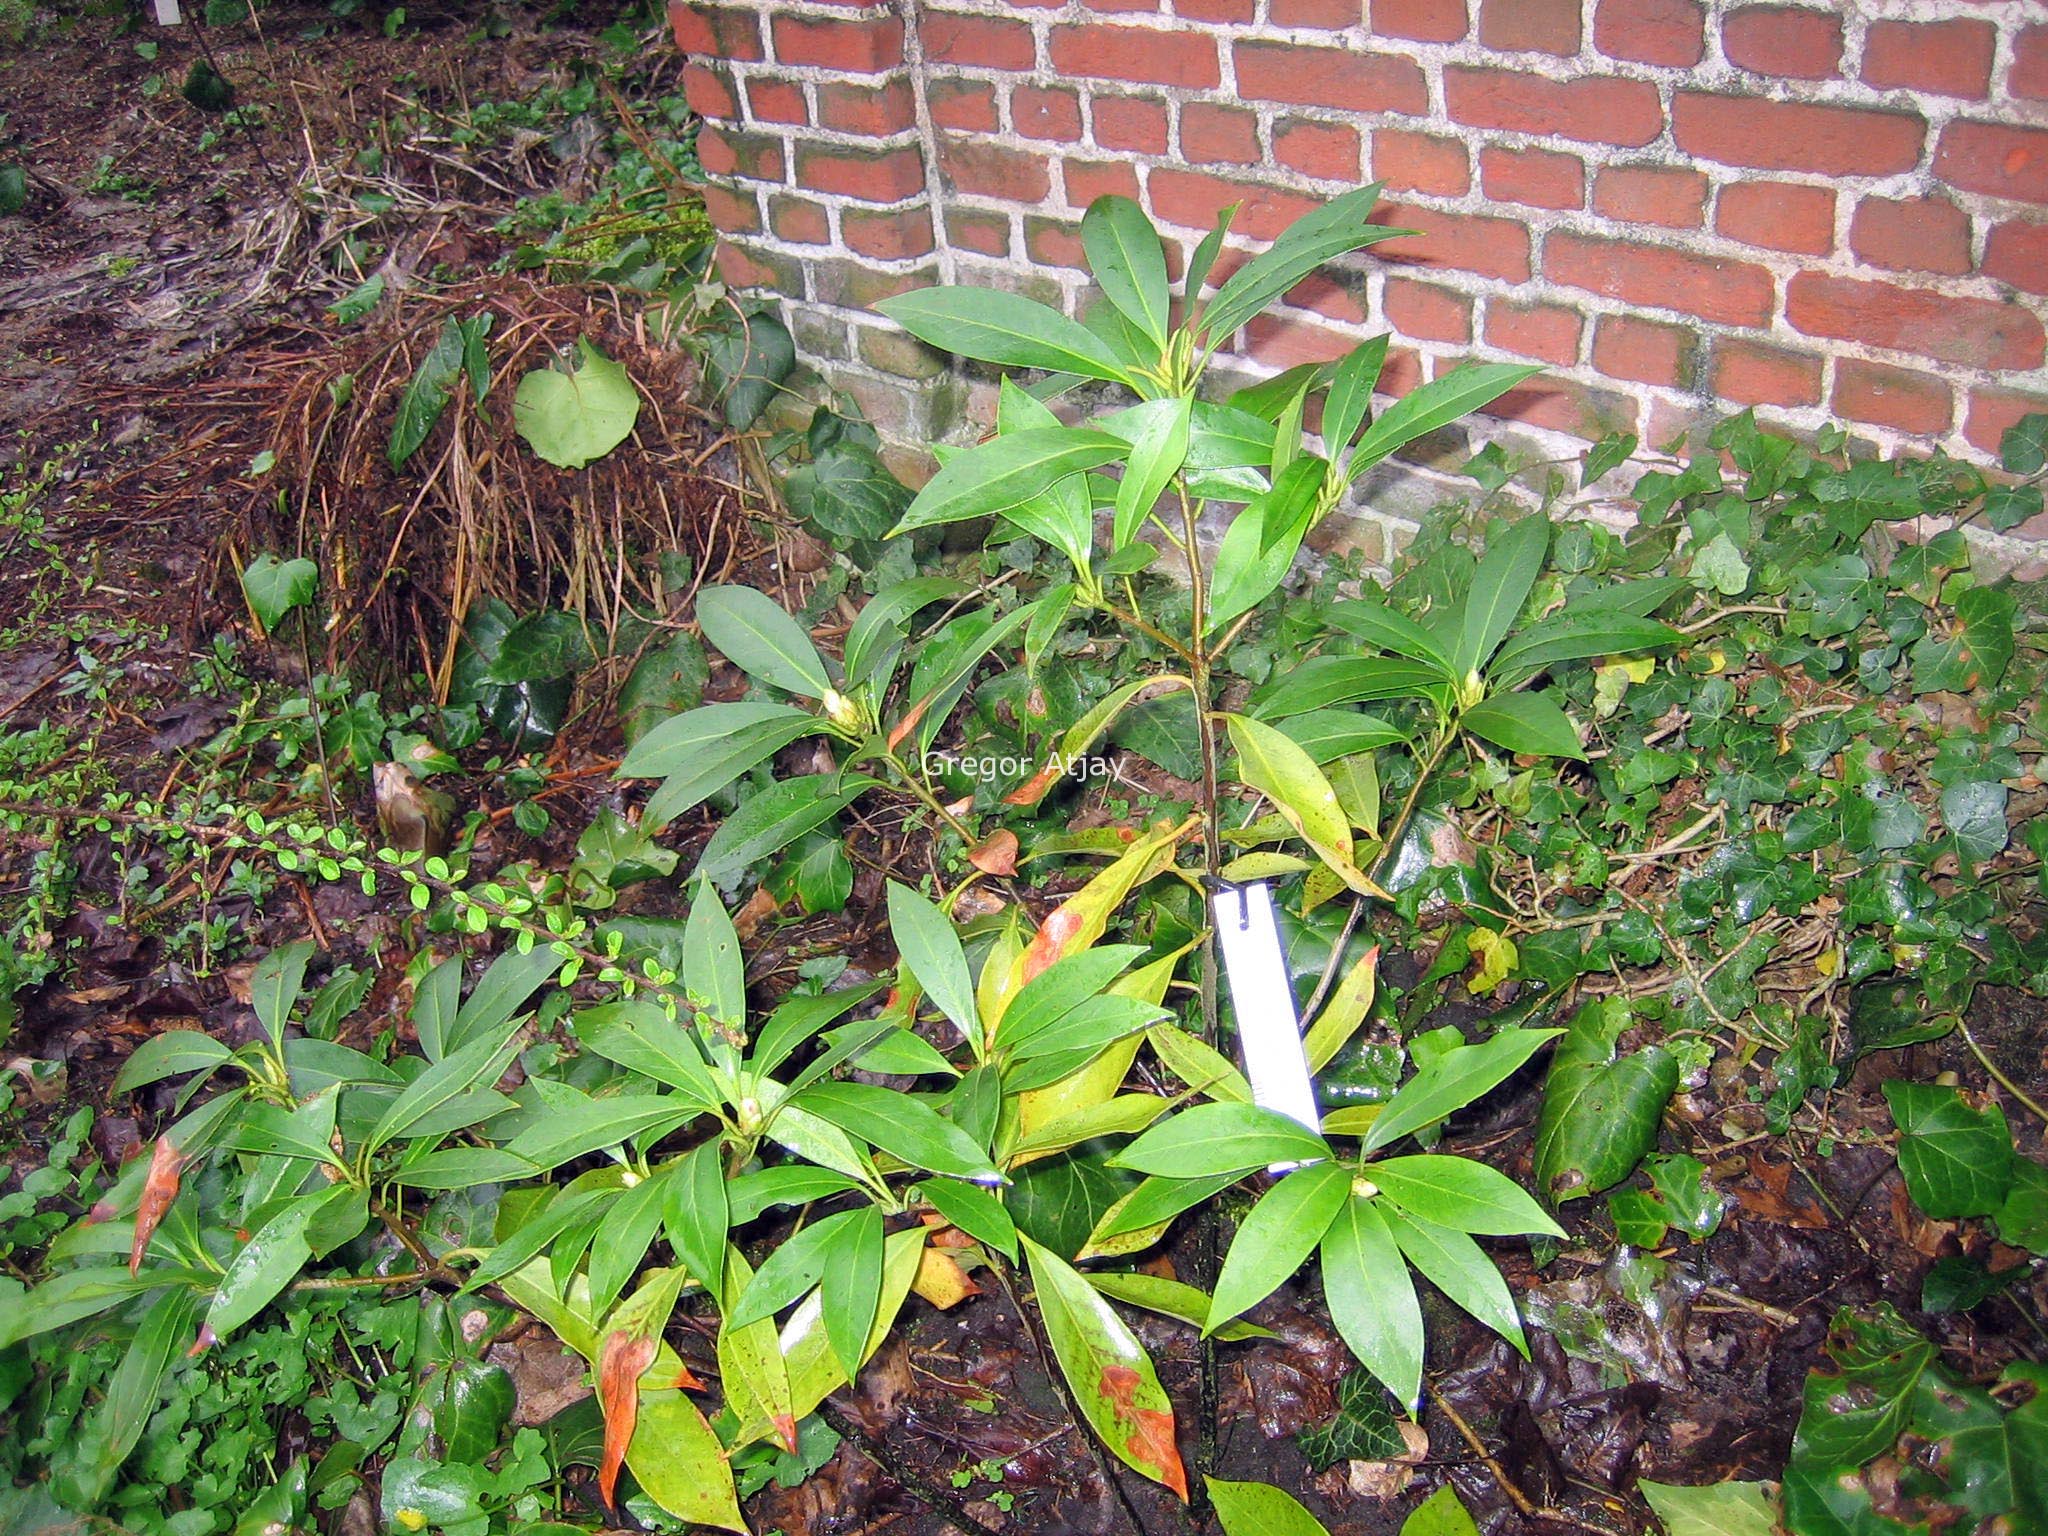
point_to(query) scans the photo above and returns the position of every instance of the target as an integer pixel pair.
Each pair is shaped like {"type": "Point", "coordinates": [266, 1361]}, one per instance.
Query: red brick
{"type": "Point", "coordinates": [1642, 351]}
{"type": "Point", "coordinates": [1149, 7]}
{"type": "Point", "coordinates": [2029, 74]}
{"type": "Point", "coordinates": [717, 31]}
{"type": "Point", "coordinates": [1547, 332]}
{"type": "Point", "coordinates": [1995, 158]}
{"type": "Point", "coordinates": [1193, 200]}
{"type": "Point", "coordinates": [1651, 31]}
{"type": "Point", "coordinates": [1042, 112]}
{"type": "Point", "coordinates": [1711, 287]}
{"type": "Point", "coordinates": [1778, 216]}
{"type": "Point", "coordinates": [1053, 244]}
{"type": "Point", "coordinates": [1913, 234]}
{"type": "Point", "coordinates": [1530, 26]}
{"type": "Point", "coordinates": [1982, 333]}
{"type": "Point", "coordinates": [1333, 295]}
{"type": "Point", "coordinates": [776, 101]}
{"type": "Point", "coordinates": [963, 104]}
{"type": "Point", "coordinates": [990, 170]}
{"type": "Point", "coordinates": [731, 152]}
{"type": "Point", "coordinates": [1563, 405]}
{"type": "Point", "coordinates": [1669, 197]}
{"type": "Point", "coordinates": [1089, 179]}
{"type": "Point", "coordinates": [973, 229]}
{"type": "Point", "coordinates": [1891, 397]}
{"type": "Point", "coordinates": [1420, 162]}
{"type": "Point", "coordinates": [1596, 109]}
{"type": "Point", "coordinates": [1212, 135]}
{"type": "Point", "coordinates": [1992, 411]}
{"type": "Point", "coordinates": [978, 42]}
{"type": "Point", "coordinates": [1214, 11]}
{"type": "Point", "coordinates": [885, 176]}
{"type": "Point", "coordinates": [1466, 242]}
{"type": "Point", "coordinates": [799, 220]}
{"type": "Point", "coordinates": [1754, 373]}
{"type": "Point", "coordinates": [733, 212]}
{"type": "Point", "coordinates": [1427, 312]}
{"type": "Point", "coordinates": [897, 235]}
{"type": "Point", "coordinates": [1541, 178]}
{"type": "Point", "coordinates": [1330, 15]}
{"type": "Point", "coordinates": [2017, 253]}
{"type": "Point", "coordinates": [1346, 78]}
{"type": "Point", "coordinates": [755, 269]}
{"type": "Point", "coordinates": [1943, 58]}
{"type": "Point", "coordinates": [857, 47]}
{"type": "Point", "coordinates": [874, 112]}
{"type": "Point", "coordinates": [1328, 151]}
{"type": "Point", "coordinates": [1796, 135]}
{"type": "Point", "coordinates": [1130, 122]}
{"type": "Point", "coordinates": [1422, 21]}
{"type": "Point", "coordinates": [709, 92]}
{"type": "Point", "coordinates": [1281, 343]}
{"type": "Point", "coordinates": [1792, 42]}
{"type": "Point", "coordinates": [1146, 55]}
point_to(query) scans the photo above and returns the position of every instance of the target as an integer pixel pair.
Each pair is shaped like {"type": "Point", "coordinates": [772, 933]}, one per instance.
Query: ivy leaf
{"type": "Point", "coordinates": [847, 492]}
{"type": "Point", "coordinates": [745, 364]}
{"type": "Point", "coordinates": [1957, 1161]}
{"type": "Point", "coordinates": [1600, 1112]}
{"type": "Point", "coordinates": [1719, 564]}
{"type": "Point", "coordinates": [274, 587]}
{"type": "Point", "coordinates": [1362, 1430]}
{"type": "Point", "coordinates": [2023, 450]}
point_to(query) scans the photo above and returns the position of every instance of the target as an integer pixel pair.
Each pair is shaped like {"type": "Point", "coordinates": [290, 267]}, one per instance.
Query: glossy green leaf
{"type": "Point", "coordinates": [1007, 471]}
{"type": "Point", "coordinates": [1600, 1114]}
{"type": "Point", "coordinates": [1286, 775]}
{"type": "Point", "coordinates": [930, 951]}
{"type": "Point", "coordinates": [273, 587]}
{"type": "Point", "coordinates": [1221, 1139]}
{"type": "Point", "coordinates": [1371, 1298]}
{"type": "Point", "coordinates": [1340, 225]}
{"type": "Point", "coordinates": [1448, 1082]}
{"type": "Point", "coordinates": [901, 1124]}
{"type": "Point", "coordinates": [1125, 257]}
{"type": "Point", "coordinates": [850, 1294]}
{"type": "Point", "coordinates": [1712, 1509]}
{"type": "Point", "coordinates": [1461, 1193]}
{"type": "Point", "coordinates": [1158, 450]}
{"type": "Point", "coordinates": [1443, 1513]}
{"type": "Point", "coordinates": [1107, 1370]}
{"type": "Point", "coordinates": [1525, 723]}
{"type": "Point", "coordinates": [997, 327]}
{"type": "Point", "coordinates": [1278, 1235]}
{"type": "Point", "coordinates": [169, 1054]}
{"type": "Point", "coordinates": [1956, 1161]}
{"type": "Point", "coordinates": [770, 821]}
{"type": "Point", "coordinates": [974, 1211]}
{"type": "Point", "coordinates": [756, 635]}
{"type": "Point", "coordinates": [1507, 572]}
{"type": "Point", "coordinates": [269, 1261]}
{"type": "Point", "coordinates": [1460, 1269]}
{"type": "Point", "coordinates": [1436, 404]}
{"type": "Point", "coordinates": [1260, 1509]}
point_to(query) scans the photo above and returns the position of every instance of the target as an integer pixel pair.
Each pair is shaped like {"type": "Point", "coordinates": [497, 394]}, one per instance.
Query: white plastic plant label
{"type": "Point", "coordinates": [167, 13]}
{"type": "Point", "coordinates": [1255, 967]}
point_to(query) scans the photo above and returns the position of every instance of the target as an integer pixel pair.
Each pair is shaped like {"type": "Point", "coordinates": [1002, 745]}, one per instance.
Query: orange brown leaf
{"type": "Point", "coordinates": [159, 1189]}
{"type": "Point", "coordinates": [997, 855]}
{"type": "Point", "coordinates": [1151, 1439]}
{"type": "Point", "coordinates": [621, 1362]}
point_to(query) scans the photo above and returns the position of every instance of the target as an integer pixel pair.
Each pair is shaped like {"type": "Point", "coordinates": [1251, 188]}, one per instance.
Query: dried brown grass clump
{"type": "Point", "coordinates": [403, 554]}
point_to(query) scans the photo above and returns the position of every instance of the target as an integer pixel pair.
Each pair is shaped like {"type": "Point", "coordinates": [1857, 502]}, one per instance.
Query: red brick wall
{"type": "Point", "coordinates": [1822, 210]}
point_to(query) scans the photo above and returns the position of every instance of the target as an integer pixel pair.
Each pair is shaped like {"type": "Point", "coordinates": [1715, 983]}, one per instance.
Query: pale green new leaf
{"type": "Point", "coordinates": [1260, 1509]}
{"type": "Point", "coordinates": [1430, 406]}
{"type": "Point", "coordinates": [1458, 1268]}
{"type": "Point", "coordinates": [1507, 572]}
{"type": "Point", "coordinates": [930, 951]}
{"type": "Point", "coordinates": [1461, 1193]}
{"type": "Point", "coordinates": [1157, 453]}
{"type": "Point", "coordinates": [1006, 472]}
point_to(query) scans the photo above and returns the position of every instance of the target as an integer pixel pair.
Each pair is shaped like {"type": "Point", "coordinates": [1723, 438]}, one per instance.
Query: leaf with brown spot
{"type": "Point", "coordinates": [620, 1364]}
{"type": "Point", "coordinates": [159, 1189]}
{"type": "Point", "coordinates": [997, 855]}
{"type": "Point", "coordinates": [1080, 920]}
{"type": "Point", "coordinates": [941, 1281]}
{"type": "Point", "coordinates": [1113, 1381]}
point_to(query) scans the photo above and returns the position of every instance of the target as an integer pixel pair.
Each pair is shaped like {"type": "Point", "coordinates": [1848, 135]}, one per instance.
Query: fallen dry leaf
{"type": "Point", "coordinates": [997, 855]}
{"type": "Point", "coordinates": [941, 1281]}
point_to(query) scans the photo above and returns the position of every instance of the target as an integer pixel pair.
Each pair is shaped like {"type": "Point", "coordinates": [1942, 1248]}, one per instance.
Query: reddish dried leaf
{"type": "Point", "coordinates": [907, 724]}
{"type": "Point", "coordinates": [760, 906]}
{"type": "Point", "coordinates": [206, 1340]}
{"type": "Point", "coordinates": [159, 1189]}
{"type": "Point", "coordinates": [687, 1381]}
{"type": "Point", "coordinates": [1151, 1438]}
{"type": "Point", "coordinates": [1033, 789]}
{"type": "Point", "coordinates": [998, 855]}
{"type": "Point", "coordinates": [785, 1431]}
{"type": "Point", "coordinates": [620, 1364]}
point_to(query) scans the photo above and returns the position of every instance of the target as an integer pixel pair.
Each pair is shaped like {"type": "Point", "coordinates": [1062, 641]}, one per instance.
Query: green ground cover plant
{"type": "Point", "coordinates": [1747, 786]}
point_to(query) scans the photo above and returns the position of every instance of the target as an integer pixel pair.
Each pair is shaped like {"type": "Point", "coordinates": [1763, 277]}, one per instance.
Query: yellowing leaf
{"type": "Point", "coordinates": [1497, 959]}
{"type": "Point", "coordinates": [941, 1281]}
